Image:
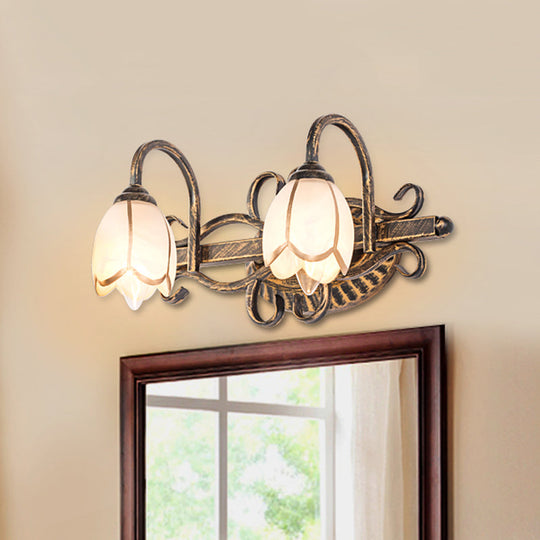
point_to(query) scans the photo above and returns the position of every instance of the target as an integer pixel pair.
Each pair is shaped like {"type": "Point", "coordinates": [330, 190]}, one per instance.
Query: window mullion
{"type": "Point", "coordinates": [328, 458]}
{"type": "Point", "coordinates": [222, 460]}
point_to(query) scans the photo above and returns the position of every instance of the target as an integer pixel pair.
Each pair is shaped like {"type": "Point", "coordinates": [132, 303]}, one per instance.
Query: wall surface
{"type": "Point", "coordinates": [446, 95]}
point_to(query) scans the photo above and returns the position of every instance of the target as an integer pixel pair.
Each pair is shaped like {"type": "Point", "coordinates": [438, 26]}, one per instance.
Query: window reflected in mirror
{"type": "Point", "coordinates": [299, 454]}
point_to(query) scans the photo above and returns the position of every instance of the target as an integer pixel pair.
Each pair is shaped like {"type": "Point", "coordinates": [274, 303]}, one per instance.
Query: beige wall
{"type": "Point", "coordinates": [446, 95]}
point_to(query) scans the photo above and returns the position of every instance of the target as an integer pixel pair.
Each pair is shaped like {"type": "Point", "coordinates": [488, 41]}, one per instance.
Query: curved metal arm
{"type": "Point", "coordinates": [368, 204]}
{"type": "Point", "coordinates": [193, 188]}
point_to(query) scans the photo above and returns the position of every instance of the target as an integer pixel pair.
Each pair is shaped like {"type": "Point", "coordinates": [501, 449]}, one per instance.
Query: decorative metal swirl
{"type": "Point", "coordinates": [420, 259]}
{"type": "Point", "coordinates": [412, 211]}
{"type": "Point", "coordinates": [175, 219]}
{"type": "Point", "coordinates": [177, 297]}
{"type": "Point", "coordinates": [255, 188]}
{"type": "Point", "coordinates": [229, 219]}
{"type": "Point", "coordinates": [380, 214]}
{"type": "Point", "coordinates": [252, 306]}
{"type": "Point", "coordinates": [368, 197]}
{"type": "Point", "coordinates": [193, 189]}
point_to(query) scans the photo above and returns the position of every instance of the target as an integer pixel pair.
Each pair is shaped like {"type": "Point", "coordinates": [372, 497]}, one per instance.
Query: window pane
{"type": "Point", "coordinates": [180, 469]}
{"type": "Point", "coordinates": [291, 387]}
{"type": "Point", "coordinates": [274, 478]}
{"type": "Point", "coordinates": [194, 388]}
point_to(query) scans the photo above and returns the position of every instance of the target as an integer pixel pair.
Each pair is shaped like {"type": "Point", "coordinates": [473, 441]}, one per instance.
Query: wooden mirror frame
{"type": "Point", "coordinates": [425, 344]}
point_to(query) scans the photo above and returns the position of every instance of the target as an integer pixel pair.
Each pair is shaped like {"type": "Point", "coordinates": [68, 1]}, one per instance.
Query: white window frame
{"type": "Point", "coordinates": [223, 406]}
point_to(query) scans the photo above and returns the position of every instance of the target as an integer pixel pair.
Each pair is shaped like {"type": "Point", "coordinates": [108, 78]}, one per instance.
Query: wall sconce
{"type": "Point", "coordinates": [342, 251]}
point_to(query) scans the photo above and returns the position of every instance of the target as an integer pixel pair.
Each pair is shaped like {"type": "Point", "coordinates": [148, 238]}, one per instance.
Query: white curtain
{"type": "Point", "coordinates": [377, 451]}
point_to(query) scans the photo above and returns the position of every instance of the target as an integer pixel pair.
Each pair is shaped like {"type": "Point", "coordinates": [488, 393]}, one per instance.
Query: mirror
{"type": "Point", "coordinates": [318, 439]}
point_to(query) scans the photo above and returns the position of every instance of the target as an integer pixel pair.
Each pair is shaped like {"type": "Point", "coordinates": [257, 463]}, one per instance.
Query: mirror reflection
{"type": "Point", "coordinates": [304, 454]}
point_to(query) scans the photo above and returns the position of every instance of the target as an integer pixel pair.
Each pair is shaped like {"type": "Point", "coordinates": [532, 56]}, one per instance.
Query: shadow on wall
{"type": "Point", "coordinates": [8, 217]}
{"type": "Point", "coordinates": [508, 373]}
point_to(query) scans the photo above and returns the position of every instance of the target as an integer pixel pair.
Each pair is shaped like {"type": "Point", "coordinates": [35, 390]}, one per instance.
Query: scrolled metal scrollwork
{"type": "Point", "coordinates": [381, 214]}
{"type": "Point", "coordinates": [252, 306]}
{"type": "Point", "coordinates": [413, 210]}
{"type": "Point", "coordinates": [175, 219]}
{"type": "Point", "coordinates": [176, 297]}
{"type": "Point", "coordinates": [230, 219]}
{"type": "Point", "coordinates": [183, 164]}
{"type": "Point", "coordinates": [368, 197]}
{"type": "Point", "coordinates": [217, 285]}
{"type": "Point", "coordinates": [420, 261]}
{"type": "Point", "coordinates": [255, 188]}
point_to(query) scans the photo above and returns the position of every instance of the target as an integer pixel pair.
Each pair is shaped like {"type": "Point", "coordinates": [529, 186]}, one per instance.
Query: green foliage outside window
{"type": "Point", "coordinates": [273, 476]}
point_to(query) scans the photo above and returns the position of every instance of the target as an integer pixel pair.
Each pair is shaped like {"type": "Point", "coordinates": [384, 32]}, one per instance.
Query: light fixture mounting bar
{"type": "Point", "coordinates": [250, 249]}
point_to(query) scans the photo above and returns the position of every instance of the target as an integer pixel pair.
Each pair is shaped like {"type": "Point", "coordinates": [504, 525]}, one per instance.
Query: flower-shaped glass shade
{"type": "Point", "coordinates": [134, 251]}
{"type": "Point", "coordinates": [309, 232]}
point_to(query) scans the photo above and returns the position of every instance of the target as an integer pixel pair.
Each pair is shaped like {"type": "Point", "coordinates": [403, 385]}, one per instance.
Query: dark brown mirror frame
{"type": "Point", "coordinates": [425, 344]}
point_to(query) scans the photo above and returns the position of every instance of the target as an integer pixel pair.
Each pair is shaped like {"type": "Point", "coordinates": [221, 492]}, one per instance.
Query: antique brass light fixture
{"type": "Point", "coordinates": [343, 251]}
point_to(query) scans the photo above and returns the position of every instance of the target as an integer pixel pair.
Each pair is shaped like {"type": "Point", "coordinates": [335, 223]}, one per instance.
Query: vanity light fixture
{"type": "Point", "coordinates": [342, 250]}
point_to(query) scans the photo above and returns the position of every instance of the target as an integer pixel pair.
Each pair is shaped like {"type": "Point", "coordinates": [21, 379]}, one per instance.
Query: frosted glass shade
{"type": "Point", "coordinates": [135, 252]}
{"type": "Point", "coordinates": [309, 232]}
